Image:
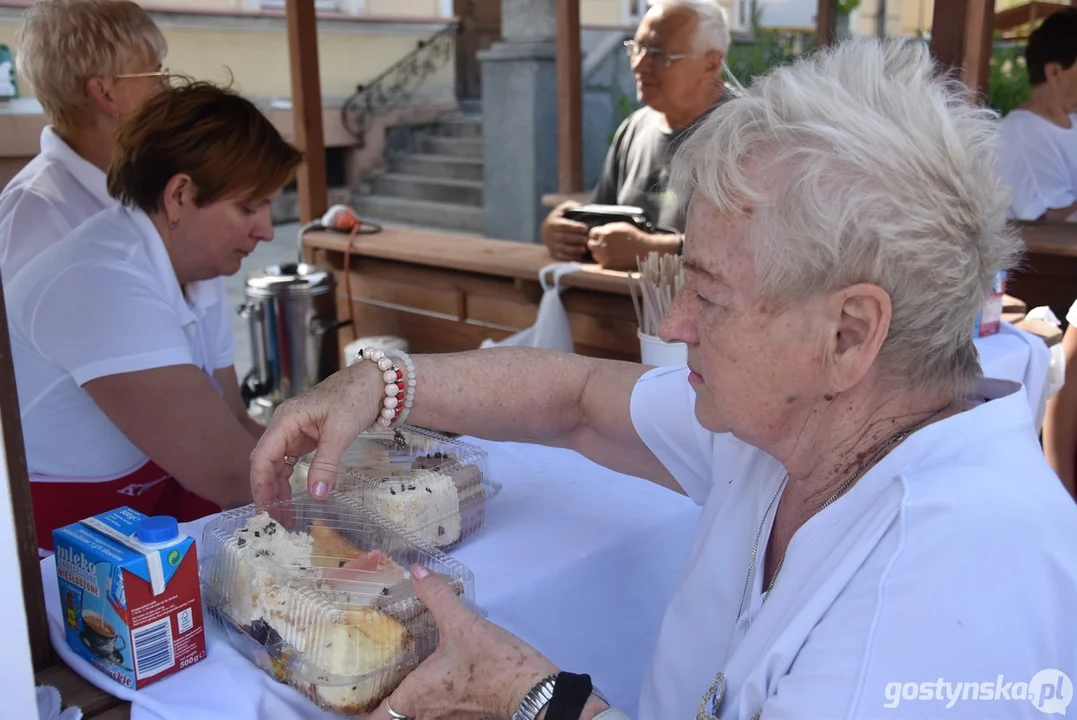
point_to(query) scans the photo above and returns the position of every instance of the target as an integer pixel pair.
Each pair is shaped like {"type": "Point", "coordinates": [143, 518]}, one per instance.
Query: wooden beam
{"type": "Point", "coordinates": [307, 107]}
{"type": "Point", "coordinates": [22, 504]}
{"type": "Point", "coordinates": [569, 98]}
{"type": "Point", "coordinates": [826, 22]}
{"type": "Point", "coordinates": [961, 33]}
{"type": "Point", "coordinates": [979, 32]}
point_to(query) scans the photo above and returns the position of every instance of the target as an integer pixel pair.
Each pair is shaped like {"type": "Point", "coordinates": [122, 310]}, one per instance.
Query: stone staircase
{"type": "Point", "coordinates": [434, 176]}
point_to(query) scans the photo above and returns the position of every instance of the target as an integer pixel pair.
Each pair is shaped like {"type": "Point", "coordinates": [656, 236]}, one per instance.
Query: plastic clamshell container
{"type": "Point", "coordinates": [428, 483]}
{"type": "Point", "coordinates": [318, 594]}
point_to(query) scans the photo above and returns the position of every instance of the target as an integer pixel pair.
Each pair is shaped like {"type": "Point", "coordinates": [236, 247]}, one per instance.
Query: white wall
{"type": "Point", "coordinates": [16, 668]}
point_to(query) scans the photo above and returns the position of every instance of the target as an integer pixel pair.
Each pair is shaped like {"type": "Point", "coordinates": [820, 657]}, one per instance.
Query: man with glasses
{"type": "Point", "coordinates": [677, 56]}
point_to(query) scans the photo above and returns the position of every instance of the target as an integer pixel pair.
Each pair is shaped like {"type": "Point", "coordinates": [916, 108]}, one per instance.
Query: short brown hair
{"type": "Point", "coordinates": [220, 139]}
{"type": "Point", "coordinates": [61, 44]}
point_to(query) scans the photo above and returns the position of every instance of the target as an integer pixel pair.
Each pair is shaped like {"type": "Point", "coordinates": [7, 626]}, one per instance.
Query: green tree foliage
{"type": "Point", "coordinates": [766, 50]}
{"type": "Point", "coordinates": [1007, 85]}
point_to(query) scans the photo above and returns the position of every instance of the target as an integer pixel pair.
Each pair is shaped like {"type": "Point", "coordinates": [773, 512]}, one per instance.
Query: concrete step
{"type": "Point", "coordinates": [461, 127]}
{"type": "Point", "coordinates": [422, 213]}
{"type": "Point", "coordinates": [440, 166]}
{"type": "Point", "coordinates": [456, 147]}
{"type": "Point", "coordinates": [471, 107]}
{"type": "Point", "coordinates": [419, 187]}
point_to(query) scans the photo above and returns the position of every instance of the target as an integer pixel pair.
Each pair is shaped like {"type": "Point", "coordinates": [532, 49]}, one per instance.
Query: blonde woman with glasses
{"type": "Point", "coordinates": [90, 63]}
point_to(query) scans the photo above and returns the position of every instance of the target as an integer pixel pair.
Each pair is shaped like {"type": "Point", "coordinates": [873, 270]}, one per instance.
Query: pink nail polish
{"type": "Point", "coordinates": [320, 489]}
{"type": "Point", "coordinates": [420, 572]}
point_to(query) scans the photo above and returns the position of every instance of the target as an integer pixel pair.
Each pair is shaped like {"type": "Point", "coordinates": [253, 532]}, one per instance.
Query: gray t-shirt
{"type": "Point", "coordinates": [636, 171]}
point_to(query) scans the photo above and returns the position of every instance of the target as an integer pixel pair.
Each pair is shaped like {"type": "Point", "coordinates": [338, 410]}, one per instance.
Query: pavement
{"type": "Point", "coordinates": [281, 249]}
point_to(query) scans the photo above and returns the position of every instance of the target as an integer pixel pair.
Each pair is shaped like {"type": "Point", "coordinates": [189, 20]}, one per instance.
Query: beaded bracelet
{"type": "Point", "coordinates": [399, 390]}
{"type": "Point", "coordinates": [392, 401]}
{"type": "Point", "coordinates": [409, 385]}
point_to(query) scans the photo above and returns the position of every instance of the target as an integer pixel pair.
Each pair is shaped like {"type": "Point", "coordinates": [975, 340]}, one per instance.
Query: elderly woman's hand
{"type": "Point", "coordinates": [328, 417]}
{"type": "Point", "coordinates": [477, 671]}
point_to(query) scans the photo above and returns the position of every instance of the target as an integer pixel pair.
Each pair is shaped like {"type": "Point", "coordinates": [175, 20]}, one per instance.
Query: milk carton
{"type": "Point", "coordinates": [130, 595]}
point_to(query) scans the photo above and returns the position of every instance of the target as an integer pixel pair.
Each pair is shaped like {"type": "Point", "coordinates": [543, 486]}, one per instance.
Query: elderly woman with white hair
{"type": "Point", "coordinates": [90, 63]}
{"type": "Point", "coordinates": [881, 535]}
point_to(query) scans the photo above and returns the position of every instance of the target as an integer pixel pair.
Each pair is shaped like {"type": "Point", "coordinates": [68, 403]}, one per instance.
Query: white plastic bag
{"type": "Point", "coordinates": [49, 706]}
{"type": "Point", "coordinates": [1056, 369]}
{"type": "Point", "coordinates": [551, 330]}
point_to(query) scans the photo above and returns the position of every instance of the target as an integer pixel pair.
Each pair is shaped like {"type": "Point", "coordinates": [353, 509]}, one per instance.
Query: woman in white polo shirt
{"type": "Point", "coordinates": [881, 536]}
{"type": "Point", "coordinates": [121, 335]}
{"type": "Point", "coordinates": [90, 64]}
{"type": "Point", "coordinates": [1037, 155]}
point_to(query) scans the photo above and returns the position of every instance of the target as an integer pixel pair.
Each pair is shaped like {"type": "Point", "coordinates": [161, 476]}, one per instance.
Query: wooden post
{"type": "Point", "coordinates": [826, 22]}
{"type": "Point", "coordinates": [307, 107]}
{"type": "Point", "coordinates": [22, 504]}
{"type": "Point", "coordinates": [961, 40]}
{"type": "Point", "coordinates": [979, 32]}
{"type": "Point", "coordinates": [569, 98]}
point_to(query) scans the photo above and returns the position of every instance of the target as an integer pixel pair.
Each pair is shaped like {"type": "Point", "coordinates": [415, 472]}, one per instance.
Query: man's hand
{"type": "Point", "coordinates": [617, 245]}
{"type": "Point", "coordinates": [565, 239]}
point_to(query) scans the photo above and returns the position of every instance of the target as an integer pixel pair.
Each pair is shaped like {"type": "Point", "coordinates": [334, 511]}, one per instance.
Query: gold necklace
{"type": "Point", "coordinates": [716, 692]}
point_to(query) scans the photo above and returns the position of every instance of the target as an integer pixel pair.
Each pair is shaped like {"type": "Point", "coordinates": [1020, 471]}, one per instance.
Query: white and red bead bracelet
{"type": "Point", "coordinates": [399, 390]}
{"type": "Point", "coordinates": [409, 386]}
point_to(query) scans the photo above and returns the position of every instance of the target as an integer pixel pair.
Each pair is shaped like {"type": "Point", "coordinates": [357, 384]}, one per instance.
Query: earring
{"type": "Point", "coordinates": [172, 224]}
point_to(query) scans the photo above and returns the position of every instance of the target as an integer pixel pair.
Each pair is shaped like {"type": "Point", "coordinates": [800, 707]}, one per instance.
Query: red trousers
{"type": "Point", "coordinates": [149, 490]}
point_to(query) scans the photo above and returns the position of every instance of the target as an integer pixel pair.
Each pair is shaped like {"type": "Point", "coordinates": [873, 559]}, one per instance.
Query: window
{"type": "Point", "coordinates": [742, 17]}
{"type": "Point", "coordinates": [634, 10]}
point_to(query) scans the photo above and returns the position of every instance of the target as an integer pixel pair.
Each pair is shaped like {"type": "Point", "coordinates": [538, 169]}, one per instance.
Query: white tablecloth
{"type": "Point", "coordinates": [576, 559]}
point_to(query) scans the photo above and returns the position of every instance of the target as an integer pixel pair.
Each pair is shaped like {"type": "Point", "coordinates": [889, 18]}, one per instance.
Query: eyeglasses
{"type": "Point", "coordinates": [636, 51]}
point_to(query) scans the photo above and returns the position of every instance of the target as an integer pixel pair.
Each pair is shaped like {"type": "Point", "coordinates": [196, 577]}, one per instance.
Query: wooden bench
{"type": "Point", "coordinates": [444, 292]}
{"type": "Point", "coordinates": [96, 704]}
{"type": "Point", "coordinates": [1049, 273]}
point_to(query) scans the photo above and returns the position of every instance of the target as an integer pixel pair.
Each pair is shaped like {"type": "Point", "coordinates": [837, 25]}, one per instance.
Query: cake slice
{"type": "Point", "coordinates": [426, 503]}
{"type": "Point", "coordinates": [366, 643]}
{"type": "Point", "coordinates": [319, 594]}
{"type": "Point", "coordinates": [346, 566]}
{"type": "Point", "coordinates": [467, 480]}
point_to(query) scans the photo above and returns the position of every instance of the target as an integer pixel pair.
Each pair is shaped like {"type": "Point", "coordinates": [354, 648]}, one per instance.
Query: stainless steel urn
{"type": "Point", "coordinates": [291, 315]}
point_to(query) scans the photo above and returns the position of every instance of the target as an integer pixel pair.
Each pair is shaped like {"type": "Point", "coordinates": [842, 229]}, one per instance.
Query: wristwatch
{"type": "Point", "coordinates": [539, 697]}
